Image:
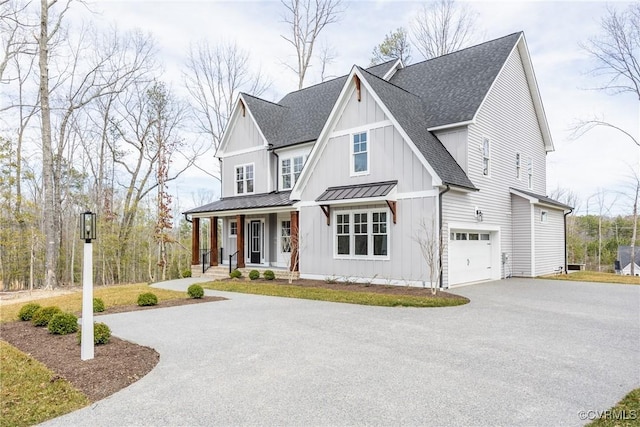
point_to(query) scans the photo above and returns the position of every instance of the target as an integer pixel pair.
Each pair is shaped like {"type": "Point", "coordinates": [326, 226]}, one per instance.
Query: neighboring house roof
{"type": "Point", "coordinates": [381, 70]}
{"type": "Point", "coordinates": [267, 200]}
{"type": "Point", "coordinates": [359, 191]}
{"type": "Point", "coordinates": [537, 198]}
{"type": "Point", "coordinates": [453, 86]}
{"type": "Point", "coordinates": [624, 255]}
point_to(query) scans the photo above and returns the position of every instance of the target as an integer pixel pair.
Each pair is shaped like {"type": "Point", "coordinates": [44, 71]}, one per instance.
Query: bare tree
{"type": "Point", "coordinates": [327, 57]}
{"type": "Point", "coordinates": [215, 77]}
{"type": "Point", "coordinates": [13, 31]}
{"type": "Point", "coordinates": [431, 243]}
{"type": "Point", "coordinates": [394, 46]}
{"type": "Point", "coordinates": [306, 20]}
{"type": "Point", "coordinates": [442, 27]}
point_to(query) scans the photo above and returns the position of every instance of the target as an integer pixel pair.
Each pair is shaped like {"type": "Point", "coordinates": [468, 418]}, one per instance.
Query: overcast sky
{"type": "Point", "coordinates": [600, 160]}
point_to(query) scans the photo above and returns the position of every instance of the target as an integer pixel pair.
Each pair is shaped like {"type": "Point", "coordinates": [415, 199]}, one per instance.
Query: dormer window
{"type": "Point", "coordinates": [244, 179]}
{"type": "Point", "coordinates": [486, 156]}
{"type": "Point", "coordinates": [291, 169]}
{"type": "Point", "coordinates": [360, 154]}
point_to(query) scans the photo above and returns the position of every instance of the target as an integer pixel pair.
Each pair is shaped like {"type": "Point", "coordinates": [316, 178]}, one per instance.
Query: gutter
{"type": "Point", "coordinates": [440, 194]}
{"type": "Point", "coordinates": [186, 218]}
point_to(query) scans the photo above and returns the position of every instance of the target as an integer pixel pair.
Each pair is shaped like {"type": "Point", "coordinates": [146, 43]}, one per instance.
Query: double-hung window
{"type": "Point", "coordinates": [285, 236]}
{"type": "Point", "coordinates": [244, 179]}
{"type": "Point", "coordinates": [233, 229]}
{"type": "Point", "coordinates": [362, 234]}
{"type": "Point", "coordinates": [486, 156]}
{"type": "Point", "coordinates": [290, 170]}
{"type": "Point", "coordinates": [530, 173]}
{"type": "Point", "coordinates": [360, 154]}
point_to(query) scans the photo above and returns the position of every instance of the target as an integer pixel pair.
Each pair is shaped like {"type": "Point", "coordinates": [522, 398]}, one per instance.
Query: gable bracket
{"type": "Point", "coordinates": [356, 79]}
{"type": "Point", "coordinates": [326, 209]}
{"type": "Point", "coordinates": [392, 206]}
{"type": "Point", "coordinates": [244, 109]}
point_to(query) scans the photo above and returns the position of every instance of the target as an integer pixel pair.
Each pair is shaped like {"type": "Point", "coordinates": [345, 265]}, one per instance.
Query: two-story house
{"type": "Point", "coordinates": [352, 176]}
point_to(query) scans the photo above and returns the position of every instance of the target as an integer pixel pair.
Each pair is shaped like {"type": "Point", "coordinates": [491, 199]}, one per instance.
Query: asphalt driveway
{"type": "Point", "coordinates": [523, 352]}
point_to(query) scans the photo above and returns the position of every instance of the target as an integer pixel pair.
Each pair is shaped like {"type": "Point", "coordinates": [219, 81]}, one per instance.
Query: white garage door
{"type": "Point", "coordinates": [469, 256]}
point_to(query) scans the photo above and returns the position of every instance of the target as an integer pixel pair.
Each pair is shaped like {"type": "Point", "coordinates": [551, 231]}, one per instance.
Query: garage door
{"type": "Point", "coordinates": [469, 256]}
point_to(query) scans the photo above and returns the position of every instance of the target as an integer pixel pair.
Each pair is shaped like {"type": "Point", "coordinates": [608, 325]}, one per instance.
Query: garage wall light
{"type": "Point", "coordinates": [478, 215]}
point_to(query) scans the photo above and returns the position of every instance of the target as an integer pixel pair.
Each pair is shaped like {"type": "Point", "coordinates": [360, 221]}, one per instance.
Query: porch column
{"type": "Point", "coordinates": [240, 241]}
{"type": "Point", "coordinates": [295, 257]}
{"type": "Point", "coordinates": [213, 231]}
{"type": "Point", "coordinates": [195, 241]}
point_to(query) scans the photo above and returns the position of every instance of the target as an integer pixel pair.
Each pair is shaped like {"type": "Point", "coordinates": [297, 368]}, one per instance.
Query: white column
{"type": "Point", "coordinates": [86, 351]}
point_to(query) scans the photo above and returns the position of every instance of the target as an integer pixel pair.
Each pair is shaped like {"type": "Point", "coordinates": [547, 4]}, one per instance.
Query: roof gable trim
{"type": "Point", "coordinates": [241, 105]}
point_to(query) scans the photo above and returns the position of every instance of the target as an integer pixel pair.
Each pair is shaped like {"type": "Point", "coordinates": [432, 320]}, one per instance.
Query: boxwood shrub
{"type": "Point", "coordinates": [43, 315]}
{"type": "Point", "coordinates": [63, 324]}
{"type": "Point", "coordinates": [269, 275]}
{"type": "Point", "coordinates": [27, 310]}
{"type": "Point", "coordinates": [195, 291]}
{"type": "Point", "coordinates": [101, 334]}
{"type": "Point", "coordinates": [98, 305]}
{"type": "Point", "coordinates": [147, 299]}
{"type": "Point", "coordinates": [254, 274]}
{"type": "Point", "coordinates": [235, 274]}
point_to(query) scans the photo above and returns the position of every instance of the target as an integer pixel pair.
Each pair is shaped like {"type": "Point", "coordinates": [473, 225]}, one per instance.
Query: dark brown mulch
{"type": "Point", "coordinates": [115, 365]}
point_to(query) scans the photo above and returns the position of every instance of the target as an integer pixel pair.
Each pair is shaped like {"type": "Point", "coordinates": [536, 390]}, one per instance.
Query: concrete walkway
{"type": "Point", "coordinates": [523, 352]}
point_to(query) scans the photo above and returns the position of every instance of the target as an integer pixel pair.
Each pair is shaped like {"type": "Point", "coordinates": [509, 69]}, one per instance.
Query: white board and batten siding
{"type": "Point", "coordinates": [390, 158]}
{"type": "Point", "coordinates": [508, 118]}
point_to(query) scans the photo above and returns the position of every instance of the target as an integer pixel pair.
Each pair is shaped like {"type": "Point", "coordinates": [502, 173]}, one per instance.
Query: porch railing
{"type": "Point", "coordinates": [231, 261]}
{"type": "Point", "coordinates": [206, 260]}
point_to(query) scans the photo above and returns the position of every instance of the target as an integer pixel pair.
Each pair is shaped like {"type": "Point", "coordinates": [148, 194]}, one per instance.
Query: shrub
{"type": "Point", "coordinates": [269, 275]}
{"type": "Point", "coordinates": [254, 274]}
{"type": "Point", "coordinates": [235, 274]}
{"type": "Point", "coordinates": [63, 324]}
{"type": "Point", "coordinates": [147, 298]}
{"type": "Point", "coordinates": [43, 315]}
{"type": "Point", "coordinates": [186, 272]}
{"type": "Point", "coordinates": [27, 310]}
{"type": "Point", "coordinates": [101, 334]}
{"type": "Point", "coordinates": [195, 291]}
{"type": "Point", "coordinates": [98, 305]}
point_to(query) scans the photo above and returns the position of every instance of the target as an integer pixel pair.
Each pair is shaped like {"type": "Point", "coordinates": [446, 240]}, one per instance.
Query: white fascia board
{"type": "Point", "coordinates": [239, 152]}
{"type": "Point", "coordinates": [396, 66]}
{"type": "Point", "coordinates": [480, 226]}
{"type": "Point", "coordinates": [249, 211]}
{"type": "Point", "coordinates": [265, 143]}
{"type": "Point", "coordinates": [536, 201]}
{"type": "Point", "coordinates": [234, 117]}
{"type": "Point", "coordinates": [452, 125]}
{"type": "Point", "coordinates": [284, 150]}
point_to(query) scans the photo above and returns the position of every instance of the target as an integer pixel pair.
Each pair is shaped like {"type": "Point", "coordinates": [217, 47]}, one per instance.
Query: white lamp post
{"type": "Point", "coordinates": [88, 233]}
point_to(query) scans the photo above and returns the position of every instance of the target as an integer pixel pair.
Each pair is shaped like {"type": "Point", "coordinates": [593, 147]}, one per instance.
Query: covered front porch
{"type": "Point", "coordinates": [259, 231]}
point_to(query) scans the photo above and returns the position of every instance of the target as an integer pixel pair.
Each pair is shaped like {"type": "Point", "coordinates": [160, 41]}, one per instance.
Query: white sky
{"type": "Point", "coordinates": [600, 160]}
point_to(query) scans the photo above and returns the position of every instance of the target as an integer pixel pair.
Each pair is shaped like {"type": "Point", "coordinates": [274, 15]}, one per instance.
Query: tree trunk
{"type": "Point", "coordinates": [634, 234]}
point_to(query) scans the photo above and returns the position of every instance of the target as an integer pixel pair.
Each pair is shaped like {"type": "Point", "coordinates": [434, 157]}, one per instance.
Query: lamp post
{"type": "Point", "coordinates": [88, 233]}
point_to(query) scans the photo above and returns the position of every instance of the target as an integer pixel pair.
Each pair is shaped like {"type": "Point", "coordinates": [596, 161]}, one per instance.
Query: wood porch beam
{"type": "Point", "coordinates": [213, 232]}
{"type": "Point", "coordinates": [195, 241]}
{"type": "Point", "coordinates": [240, 241]}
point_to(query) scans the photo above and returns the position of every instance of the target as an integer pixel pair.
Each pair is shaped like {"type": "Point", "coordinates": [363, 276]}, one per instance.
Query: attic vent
{"type": "Point", "coordinates": [356, 79]}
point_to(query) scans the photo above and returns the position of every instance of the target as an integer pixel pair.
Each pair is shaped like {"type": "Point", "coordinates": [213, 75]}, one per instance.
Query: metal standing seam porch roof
{"type": "Point", "coordinates": [253, 201]}
{"type": "Point", "coordinates": [359, 191]}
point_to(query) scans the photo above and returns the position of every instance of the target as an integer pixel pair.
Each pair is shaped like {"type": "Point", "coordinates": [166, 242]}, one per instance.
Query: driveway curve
{"type": "Point", "coordinates": [523, 352]}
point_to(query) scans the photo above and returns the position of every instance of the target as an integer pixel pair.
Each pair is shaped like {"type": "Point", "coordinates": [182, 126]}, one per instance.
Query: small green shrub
{"type": "Point", "coordinates": [98, 305]}
{"type": "Point", "coordinates": [269, 275]}
{"type": "Point", "coordinates": [254, 274]}
{"type": "Point", "coordinates": [63, 324]}
{"type": "Point", "coordinates": [235, 274]}
{"type": "Point", "coordinates": [27, 310]}
{"type": "Point", "coordinates": [147, 298]}
{"type": "Point", "coordinates": [195, 291]}
{"type": "Point", "coordinates": [101, 334]}
{"type": "Point", "coordinates": [43, 315]}
{"type": "Point", "coordinates": [186, 272]}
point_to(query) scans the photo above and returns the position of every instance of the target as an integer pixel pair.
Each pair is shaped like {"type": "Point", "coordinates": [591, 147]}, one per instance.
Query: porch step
{"type": "Point", "coordinates": [222, 272]}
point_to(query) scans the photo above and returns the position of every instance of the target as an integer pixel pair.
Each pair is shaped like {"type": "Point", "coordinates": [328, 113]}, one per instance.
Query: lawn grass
{"type": "Point", "coordinates": [625, 414]}
{"type": "Point", "coordinates": [594, 276]}
{"type": "Point", "coordinates": [111, 295]}
{"type": "Point", "coordinates": [30, 393]}
{"type": "Point", "coordinates": [322, 294]}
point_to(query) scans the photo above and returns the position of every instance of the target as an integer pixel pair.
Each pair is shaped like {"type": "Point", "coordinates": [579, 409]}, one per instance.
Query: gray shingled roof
{"type": "Point", "coordinates": [266, 200]}
{"type": "Point", "coordinates": [358, 191]}
{"type": "Point", "coordinates": [624, 255]}
{"type": "Point", "coordinates": [267, 114]}
{"type": "Point", "coordinates": [381, 69]}
{"type": "Point", "coordinates": [408, 110]}
{"type": "Point", "coordinates": [453, 86]}
{"type": "Point", "coordinates": [543, 199]}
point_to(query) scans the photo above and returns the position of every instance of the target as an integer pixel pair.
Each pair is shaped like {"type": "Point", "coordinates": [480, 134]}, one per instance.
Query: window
{"type": "Point", "coordinates": [233, 229]}
{"type": "Point", "coordinates": [486, 156]}
{"type": "Point", "coordinates": [473, 236]}
{"type": "Point", "coordinates": [485, 236]}
{"type": "Point", "coordinates": [285, 236]}
{"type": "Point", "coordinates": [518, 166]}
{"type": "Point", "coordinates": [360, 163]}
{"type": "Point", "coordinates": [530, 173]}
{"type": "Point", "coordinates": [290, 170]}
{"type": "Point", "coordinates": [244, 179]}
{"type": "Point", "coordinates": [362, 234]}
{"type": "Point", "coordinates": [543, 216]}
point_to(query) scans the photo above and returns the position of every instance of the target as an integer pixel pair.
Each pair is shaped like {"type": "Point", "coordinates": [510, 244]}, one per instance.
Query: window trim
{"type": "Point", "coordinates": [244, 178]}
{"type": "Point", "coordinates": [518, 166]}
{"type": "Point", "coordinates": [284, 237]}
{"type": "Point", "coordinates": [370, 234]}
{"type": "Point", "coordinates": [352, 162]}
{"type": "Point", "coordinates": [231, 235]}
{"type": "Point", "coordinates": [292, 171]}
{"type": "Point", "coordinates": [529, 173]}
{"type": "Point", "coordinates": [486, 156]}
{"type": "Point", "coordinates": [544, 216]}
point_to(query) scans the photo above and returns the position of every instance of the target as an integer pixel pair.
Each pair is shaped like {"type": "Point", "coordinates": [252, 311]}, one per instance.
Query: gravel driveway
{"type": "Point", "coordinates": [523, 352]}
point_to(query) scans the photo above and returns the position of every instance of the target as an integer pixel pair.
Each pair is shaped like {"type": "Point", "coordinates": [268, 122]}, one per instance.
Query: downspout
{"type": "Point", "coordinates": [566, 262]}
{"type": "Point", "coordinates": [186, 218]}
{"type": "Point", "coordinates": [440, 232]}
{"type": "Point", "coordinates": [277, 164]}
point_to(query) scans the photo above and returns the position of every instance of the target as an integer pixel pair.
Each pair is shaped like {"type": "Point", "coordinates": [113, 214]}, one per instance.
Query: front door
{"type": "Point", "coordinates": [254, 242]}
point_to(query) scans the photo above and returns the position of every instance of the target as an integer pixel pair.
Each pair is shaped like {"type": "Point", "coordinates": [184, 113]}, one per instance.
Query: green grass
{"type": "Point", "coordinates": [322, 294]}
{"type": "Point", "coordinates": [625, 414]}
{"type": "Point", "coordinates": [111, 295]}
{"type": "Point", "coordinates": [594, 276]}
{"type": "Point", "coordinates": [29, 392]}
